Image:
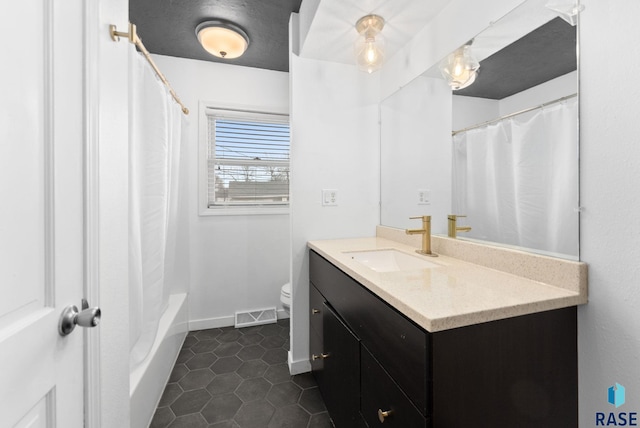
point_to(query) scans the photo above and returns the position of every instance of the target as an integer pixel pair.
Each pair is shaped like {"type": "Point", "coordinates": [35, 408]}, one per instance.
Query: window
{"type": "Point", "coordinates": [247, 160]}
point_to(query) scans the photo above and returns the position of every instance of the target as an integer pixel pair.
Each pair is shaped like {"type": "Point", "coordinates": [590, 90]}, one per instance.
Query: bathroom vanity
{"type": "Point", "coordinates": [453, 345]}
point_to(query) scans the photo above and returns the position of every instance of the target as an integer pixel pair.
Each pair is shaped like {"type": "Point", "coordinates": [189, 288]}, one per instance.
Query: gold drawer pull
{"type": "Point", "coordinates": [318, 357]}
{"type": "Point", "coordinates": [315, 311]}
{"type": "Point", "coordinates": [382, 415]}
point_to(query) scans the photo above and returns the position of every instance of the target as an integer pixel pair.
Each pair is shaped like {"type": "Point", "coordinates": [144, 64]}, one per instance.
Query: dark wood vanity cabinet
{"type": "Point", "coordinates": [391, 356]}
{"type": "Point", "coordinates": [335, 362]}
{"type": "Point", "coordinates": [375, 367]}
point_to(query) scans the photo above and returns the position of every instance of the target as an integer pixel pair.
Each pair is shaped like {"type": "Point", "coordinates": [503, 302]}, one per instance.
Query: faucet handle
{"type": "Point", "coordinates": [421, 217]}
{"type": "Point", "coordinates": [455, 216]}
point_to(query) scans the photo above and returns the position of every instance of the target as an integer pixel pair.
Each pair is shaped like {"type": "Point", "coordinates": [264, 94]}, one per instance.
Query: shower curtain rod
{"type": "Point", "coordinates": [507, 116]}
{"type": "Point", "coordinates": [132, 36]}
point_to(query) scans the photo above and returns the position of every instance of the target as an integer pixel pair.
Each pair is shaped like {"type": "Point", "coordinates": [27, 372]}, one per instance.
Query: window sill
{"type": "Point", "coordinates": [237, 211]}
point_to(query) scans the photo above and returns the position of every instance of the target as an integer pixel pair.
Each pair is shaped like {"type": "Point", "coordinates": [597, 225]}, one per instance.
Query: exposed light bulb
{"type": "Point", "coordinates": [371, 53]}
{"type": "Point", "coordinates": [460, 68]}
{"type": "Point", "coordinates": [370, 44]}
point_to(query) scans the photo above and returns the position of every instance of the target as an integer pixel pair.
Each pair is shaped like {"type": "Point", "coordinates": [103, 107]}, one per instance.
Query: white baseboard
{"type": "Point", "coordinates": [282, 314]}
{"type": "Point", "coordinates": [207, 323]}
{"type": "Point", "coordinates": [228, 321]}
{"type": "Point", "coordinates": [297, 367]}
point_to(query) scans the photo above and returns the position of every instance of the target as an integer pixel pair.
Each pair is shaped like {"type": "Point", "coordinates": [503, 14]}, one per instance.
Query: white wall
{"type": "Point", "coordinates": [609, 326]}
{"type": "Point", "coordinates": [237, 262]}
{"type": "Point", "coordinates": [469, 111]}
{"type": "Point", "coordinates": [335, 145]}
{"type": "Point", "coordinates": [308, 10]}
{"type": "Point", "coordinates": [415, 148]}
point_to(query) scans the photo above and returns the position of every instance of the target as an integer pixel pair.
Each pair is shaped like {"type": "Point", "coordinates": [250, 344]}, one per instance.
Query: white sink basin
{"type": "Point", "coordinates": [390, 260]}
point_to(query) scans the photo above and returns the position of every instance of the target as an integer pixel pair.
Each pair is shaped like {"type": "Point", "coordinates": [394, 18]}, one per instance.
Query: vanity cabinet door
{"type": "Point", "coordinates": [316, 342]}
{"type": "Point", "coordinates": [383, 403]}
{"type": "Point", "coordinates": [516, 372]}
{"type": "Point", "coordinates": [335, 363]}
{"type": "Point", "coordinates": [341, 371]}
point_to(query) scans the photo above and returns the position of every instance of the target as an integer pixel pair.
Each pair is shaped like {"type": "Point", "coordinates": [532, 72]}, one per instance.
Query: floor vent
{"type": "Point", "coordinates": [256, 317]}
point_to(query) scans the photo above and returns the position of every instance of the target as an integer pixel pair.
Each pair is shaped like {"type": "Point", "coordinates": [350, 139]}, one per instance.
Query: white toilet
{"type": "Point", "coordinates": [285, 297]}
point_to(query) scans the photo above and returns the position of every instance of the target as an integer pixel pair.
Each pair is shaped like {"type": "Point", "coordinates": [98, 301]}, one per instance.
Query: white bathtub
{"type": "Point", "coordinates": [148, 380]}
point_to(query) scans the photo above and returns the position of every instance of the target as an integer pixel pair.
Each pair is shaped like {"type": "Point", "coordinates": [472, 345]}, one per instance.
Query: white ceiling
{"type": "Point", "coordinates": [332, 34]}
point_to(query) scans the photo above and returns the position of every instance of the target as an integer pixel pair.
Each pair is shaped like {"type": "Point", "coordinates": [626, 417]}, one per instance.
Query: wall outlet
{"type": "Point", "coordinates": [329, 197]}
{"type": "Point", "coordinates": [424, 197]}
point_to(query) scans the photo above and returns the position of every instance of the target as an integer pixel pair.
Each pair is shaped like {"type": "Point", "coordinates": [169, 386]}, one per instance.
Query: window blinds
{"type": "Point", "coordinates": [248, 161]}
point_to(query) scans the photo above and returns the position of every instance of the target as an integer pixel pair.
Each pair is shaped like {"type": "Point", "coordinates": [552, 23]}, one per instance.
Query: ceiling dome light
{"type": "Point", "coordinates": [460, 68]}
{"type": "Point", "coordinates": [370, 46]}
{"type": "Point", "coordinates": [222, 39]}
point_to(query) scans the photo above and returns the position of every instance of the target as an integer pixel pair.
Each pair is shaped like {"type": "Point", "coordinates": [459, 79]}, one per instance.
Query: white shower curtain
{"type": "Point", "coordinates": [156, 130]}
{"type": "Point", "coordinates": [516, 180]}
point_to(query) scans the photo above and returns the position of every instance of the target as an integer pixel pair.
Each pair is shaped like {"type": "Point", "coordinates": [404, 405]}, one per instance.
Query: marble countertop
{"type": "Point", "coordinates": [454, 294]}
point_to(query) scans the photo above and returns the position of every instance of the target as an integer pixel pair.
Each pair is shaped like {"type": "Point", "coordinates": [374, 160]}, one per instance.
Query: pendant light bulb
{"type": "Point", "coordinates": [370, 45]}
{"type": "Point", "coordinates": [371, 53]}
{"type": "Point", "coordinates": [460, 68]}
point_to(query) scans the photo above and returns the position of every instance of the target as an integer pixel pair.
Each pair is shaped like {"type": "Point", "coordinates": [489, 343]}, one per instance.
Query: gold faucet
{"type": "Point", "coordinates": [426, 235]}
{"type": "Point", "coordinates": [453, 228]}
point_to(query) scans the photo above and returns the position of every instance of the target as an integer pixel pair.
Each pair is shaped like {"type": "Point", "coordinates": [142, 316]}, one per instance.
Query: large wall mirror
{"type": "Point", "coordinates": [502, 151]}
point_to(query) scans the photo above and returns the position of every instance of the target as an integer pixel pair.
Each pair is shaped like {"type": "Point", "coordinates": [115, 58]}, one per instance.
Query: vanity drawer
{"type": "Point", "coordinates": [400, 346]}
{"type": "Point", "coordinates": [381, 394]}
{"type": "Point", "coordinates": [316, 300]}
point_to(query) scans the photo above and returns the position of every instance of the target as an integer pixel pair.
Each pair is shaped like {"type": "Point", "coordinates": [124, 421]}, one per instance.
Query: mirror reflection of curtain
{"type": "Point", "coordinates": [516, 179]}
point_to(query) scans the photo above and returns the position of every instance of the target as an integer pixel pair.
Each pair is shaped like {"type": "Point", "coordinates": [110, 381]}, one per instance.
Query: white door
{"type": "Point", "coordinates": [41, 212]}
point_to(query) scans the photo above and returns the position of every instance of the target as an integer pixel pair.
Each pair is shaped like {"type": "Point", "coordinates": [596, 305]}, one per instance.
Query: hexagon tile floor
{"type": "Point", "coordinates": [239, 378]}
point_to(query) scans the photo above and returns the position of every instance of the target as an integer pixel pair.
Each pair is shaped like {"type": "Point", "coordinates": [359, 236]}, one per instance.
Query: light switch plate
{"type": "Point", "coordinates": [424, 197]}
{"type": "Point", "coordinates": [329, 197]}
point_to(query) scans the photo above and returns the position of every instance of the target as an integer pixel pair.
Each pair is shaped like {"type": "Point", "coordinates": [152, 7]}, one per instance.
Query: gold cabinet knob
{"type": "Point", "coordinates": [315, 311]}
{"type": "Point", "coordinates": [382, 415]}
{"type": "Point", "coordinates": [319, 357]}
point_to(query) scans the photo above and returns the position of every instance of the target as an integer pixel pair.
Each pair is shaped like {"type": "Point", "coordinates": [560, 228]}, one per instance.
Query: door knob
{"type": "Point", "coordinates": [88, 317]}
